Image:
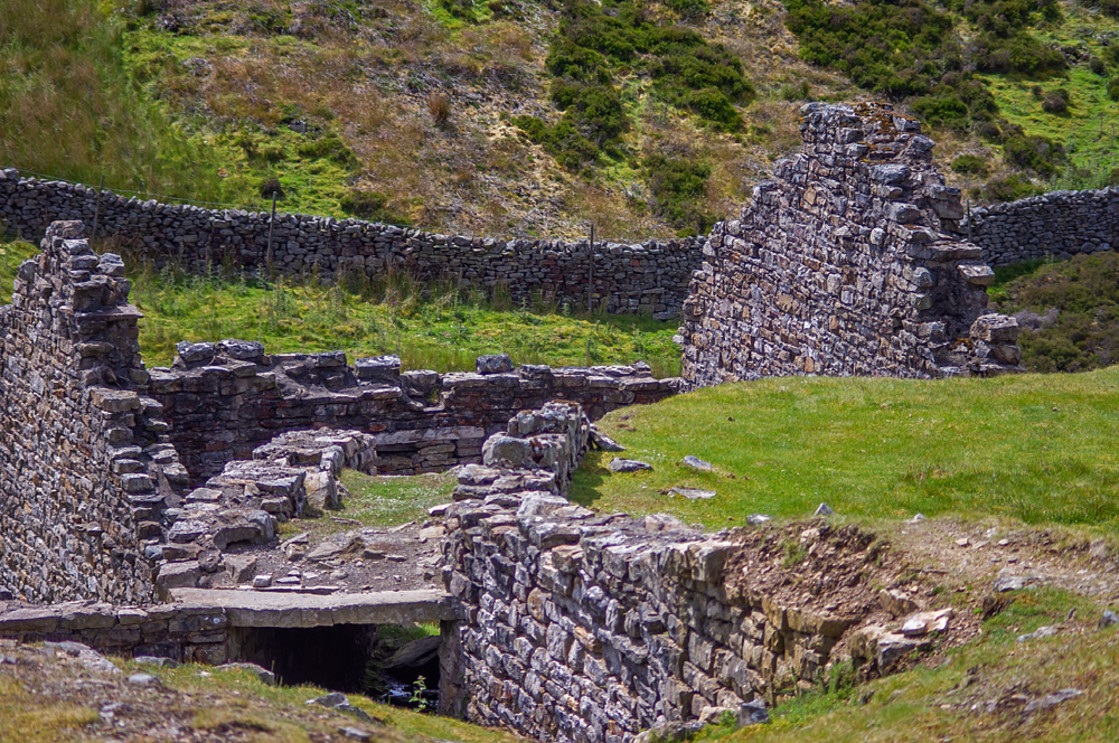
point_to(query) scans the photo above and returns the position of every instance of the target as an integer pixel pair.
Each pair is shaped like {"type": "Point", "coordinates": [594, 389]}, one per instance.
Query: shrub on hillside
{"type": "Point", "coordinates": [1085, 293]}
{"type": "Point", "coordinates": [678, 185]}
{"type": "Point", "coordinates": [330, 147]}
{"type": "Point", "coordinates": [968, 164]}
{"type": "Point", "coordinates": [1113, 88]}
{"type": "Point", "coordinates": [1056, 101]}
{"type": "Point", "coordinates": [1010, 188]}
{"type": "Point", "coordinates": [1039, 154]}
{"type": "Point", "coordinates": [371, 205]}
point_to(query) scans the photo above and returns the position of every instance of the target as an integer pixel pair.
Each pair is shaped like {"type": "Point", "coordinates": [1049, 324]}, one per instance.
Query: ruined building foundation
{"type": "Point", "coordinates": [149, 501]}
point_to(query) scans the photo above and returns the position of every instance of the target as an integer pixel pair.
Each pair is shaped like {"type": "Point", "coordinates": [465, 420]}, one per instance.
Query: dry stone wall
{"type": "Point", "coordinates": [650, 277]}
{"type": "Point", "coordinates": [1060, 225]}
{"type": "Point", "coordinates": [223, 400]}
{"type": "Point", "coordinates": [85, 462]}
{"type": "Point", "coordinates": [576, 626]}
{"type": "Point", "coordinates": [845, 263]}
{"type": "Point", "coordinates": [181, 632]}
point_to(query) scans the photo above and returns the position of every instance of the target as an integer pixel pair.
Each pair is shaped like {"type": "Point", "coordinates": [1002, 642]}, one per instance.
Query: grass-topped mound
{"type": "Point", "coordinates": [1039, 449]}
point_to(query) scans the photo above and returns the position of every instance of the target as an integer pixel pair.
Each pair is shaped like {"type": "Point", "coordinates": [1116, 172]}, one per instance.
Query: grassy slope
{"type": "Point", "coordinates": [220, 704]}
{"type": "Point", "coordinates": [1035, 448]}
{"type": "Point", "coordinates": [1085, 293]}
{"type": "Point", "coordinates": [979, 691]}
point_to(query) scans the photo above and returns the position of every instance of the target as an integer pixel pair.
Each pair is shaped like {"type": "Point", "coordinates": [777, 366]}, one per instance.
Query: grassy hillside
{"type": "Point", "coordinates": [1035, 448]}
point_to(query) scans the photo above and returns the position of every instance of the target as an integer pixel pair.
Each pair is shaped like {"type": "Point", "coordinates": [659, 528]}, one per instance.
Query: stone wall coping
{"type": "Point", "coordinates": [296, 610]}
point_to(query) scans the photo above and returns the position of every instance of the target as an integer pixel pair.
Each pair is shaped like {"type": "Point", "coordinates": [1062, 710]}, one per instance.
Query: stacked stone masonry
{"type": "Point", "coordinates": [1054, 225]}
{"type": "Point", "coordinates": [85, 461]}
{"type": "Point", "coordinates": [844, 264]}
{"type": "Point", "coordinates": [649, 277]}
{"type": "Point", "coordinates": [223, 400]}
{"type": "Point", "coordinates": [574, 626]}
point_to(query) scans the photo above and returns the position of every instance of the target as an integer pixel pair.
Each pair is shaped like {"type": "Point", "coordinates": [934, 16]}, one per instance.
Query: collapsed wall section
{"type": "Point", "coordinates": [844, 264]}
{"type": "Point", "coordinates": [650, 277]}
{"type": "Point", "coordinates": [84, 460]}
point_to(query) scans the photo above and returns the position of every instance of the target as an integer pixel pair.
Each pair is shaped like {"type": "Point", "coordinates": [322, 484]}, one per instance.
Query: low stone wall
{"type": "Point", "coordinates": [845, 263]}
{"type": "Point", "coordinates": [223, 400]}
{"type": "Point", "coordinates": [650, 277]}
{"type": "Point", "coordinates": [180, 632]}
{"type": "Point", "coordinates": [84, 457]}
{"type": "Point", "coordinates": [575, 626]}
{"type": "Point", "coordinates": [1059, 224]}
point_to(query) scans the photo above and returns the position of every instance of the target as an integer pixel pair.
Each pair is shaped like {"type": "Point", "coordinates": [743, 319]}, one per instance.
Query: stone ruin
{"type": "Point", "coordinates": [846, 263]}
{"type": "Point", "coordinates": [141, 508]}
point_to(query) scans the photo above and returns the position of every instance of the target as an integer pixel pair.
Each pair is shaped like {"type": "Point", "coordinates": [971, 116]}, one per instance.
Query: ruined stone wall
{"type": "Point", "coordinates": [182, 632]}
{"type": "Point", "coordinates": [84, 459]}
{"type": "Point", "coordinates": [575, 626]}
{"type": "Point", "coordinates": [843, 264]}
{"type": "Point", "coordinates": [1060, 224]}
{"type": "Point", "coordinates": [649, 278]}
{"type": "Point", "coordinates": [223, 400]}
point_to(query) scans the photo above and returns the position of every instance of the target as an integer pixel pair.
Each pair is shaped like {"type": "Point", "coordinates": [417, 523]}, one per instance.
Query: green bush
{"type": "Point", "coordinates": [944, 108]}
{"type": "Point", "coordinates": [1056, 101]}
{"type": "Point", "coordinates": [597, 41]}
{"type": "Point", "coordinates": [678, 185]}
{"type": "Point", "coordinates": [1085, 332]}
{"type": "Point", "coordinates": [689, 8]}
{"type": "Point", "coordinates": [1039, 154]}
{"type": "Point", "coordinates": [1010, 188]}
{"type": "Point", "coordinates": [1113, 88]}
{"type": "Point", "coordinates": [970, 165]}
{"type": "Point", "coordinates": [371, 205]}
{"type": "Point", "coordinates": [330, 147]}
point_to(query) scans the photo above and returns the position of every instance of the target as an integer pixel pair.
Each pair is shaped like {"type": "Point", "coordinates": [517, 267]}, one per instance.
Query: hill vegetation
{"type": "Point", "coordinates": [1068, 310]}
{"type": "Point", "coordinates": [531, 117]}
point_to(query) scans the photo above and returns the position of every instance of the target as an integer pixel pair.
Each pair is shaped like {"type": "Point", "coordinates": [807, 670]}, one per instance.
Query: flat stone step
{"type": "Point", "coordinates": [292, 610]}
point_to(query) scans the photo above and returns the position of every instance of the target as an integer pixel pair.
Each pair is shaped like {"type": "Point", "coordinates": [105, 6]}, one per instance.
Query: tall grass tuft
{"type": "Point", "coordinates": [68, 109]}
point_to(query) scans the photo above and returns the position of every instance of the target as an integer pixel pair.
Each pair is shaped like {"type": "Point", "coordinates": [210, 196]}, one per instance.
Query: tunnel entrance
{"type": "Point", "coordinates": [389, 663]}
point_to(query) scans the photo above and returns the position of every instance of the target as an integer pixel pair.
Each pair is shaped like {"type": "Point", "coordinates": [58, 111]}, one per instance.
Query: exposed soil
{"type": "Point", "coordinates": [400, 558]}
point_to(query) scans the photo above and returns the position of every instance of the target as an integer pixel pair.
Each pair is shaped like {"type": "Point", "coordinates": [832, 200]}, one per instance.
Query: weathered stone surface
{"type": "Point", "coordinates": [579, 627]}
{"type": "Point", "coordinates": [1059, 224]}
{"type": "Point", "coordinates": [618, 465]}
{"type": "Point", "coordinates": [83, 477]}
{"type": "Point", "coordinates": [264, 609]}
{"type": "Point", "coordinates": [847, 262]}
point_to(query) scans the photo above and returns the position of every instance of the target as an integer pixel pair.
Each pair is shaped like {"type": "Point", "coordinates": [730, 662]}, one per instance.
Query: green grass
{"type": "Point", "coordinates": [1036, 448]}
{"type": "Point", "coordinates": [270, 703]}
{"type": "Point", "coordinates": [443, 330]}
{"type": "Point", "coordinates": [68, 107]}
{"type": "Point", "coordinates": [11, 255]}
{"type": "Point", "coordinates": [934, 703]}
{"type": "Point", "coordinates": [388, 500]}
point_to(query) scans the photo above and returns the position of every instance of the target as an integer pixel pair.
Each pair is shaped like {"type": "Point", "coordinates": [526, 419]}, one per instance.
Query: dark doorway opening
{"type": "Point", "coordinates": [332, 657]}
